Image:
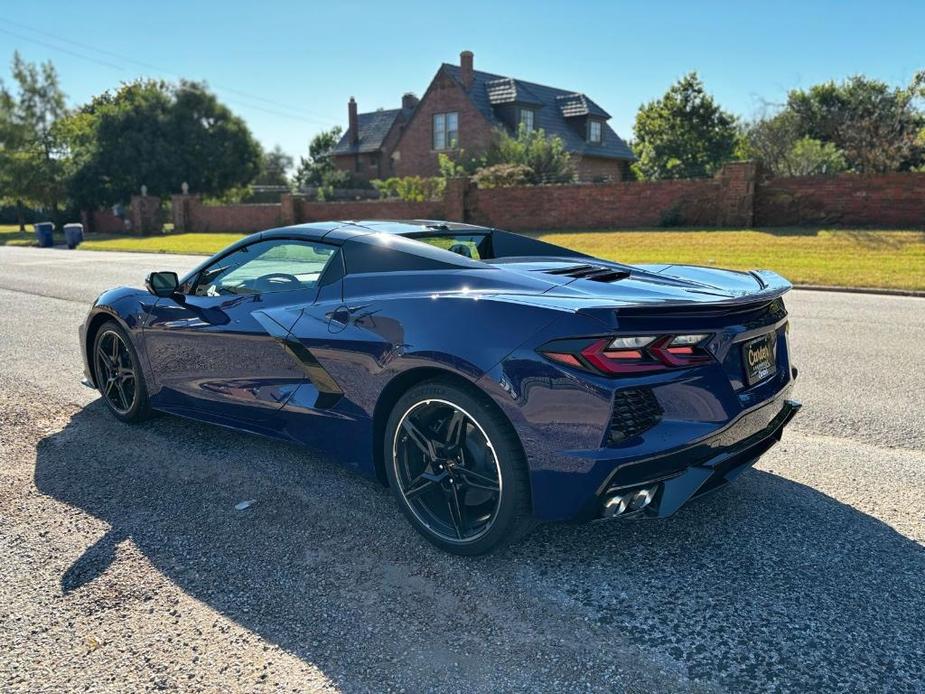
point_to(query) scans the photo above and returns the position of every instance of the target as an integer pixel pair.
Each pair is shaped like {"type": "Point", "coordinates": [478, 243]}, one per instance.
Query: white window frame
{"type": "Point", "coordinates": [531, 126]}
{"type": "Point", "coordinates": [600, 132]}
{"type": "Point", "coordinates": [445, 134]}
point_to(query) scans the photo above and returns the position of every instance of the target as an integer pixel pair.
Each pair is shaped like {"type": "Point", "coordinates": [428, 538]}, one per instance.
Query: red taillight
{"type": "Point", "coordinates": [623, 354]}
{"type": "Point", "coordinates": [618, 361]}
{"type": "Point", "coordinates": [687, 355]}
{"type": "Point", "coordinates": [600, 354]}
{"type": "Point", "coordinates": [563, 358]}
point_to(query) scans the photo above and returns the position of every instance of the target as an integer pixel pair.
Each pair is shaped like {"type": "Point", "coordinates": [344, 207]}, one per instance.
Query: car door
{"type": "Point", "coordinates": [217, 351]}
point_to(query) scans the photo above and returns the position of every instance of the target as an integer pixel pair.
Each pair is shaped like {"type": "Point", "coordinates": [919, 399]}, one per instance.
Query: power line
{"type": "Point", "coordinates": [149, 66]}
{"type": "Point", "coordinates": [298, 113]}
{"type": "Point", "coordinates": [59, 48]}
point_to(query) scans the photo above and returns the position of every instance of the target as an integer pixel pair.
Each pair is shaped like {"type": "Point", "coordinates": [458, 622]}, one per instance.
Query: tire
{"type": "Point", "coordinates": [114, 383]}
{"type": "Point", "coordinates": [471, 442]}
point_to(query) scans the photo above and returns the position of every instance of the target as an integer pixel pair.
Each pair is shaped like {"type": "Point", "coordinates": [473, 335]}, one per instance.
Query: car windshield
{"type": "Point", "coordinates": [475, 246]}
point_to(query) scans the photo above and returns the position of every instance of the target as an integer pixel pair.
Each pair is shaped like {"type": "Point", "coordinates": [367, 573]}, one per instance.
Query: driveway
{"type": "Point", "coordinates": [124, 564]}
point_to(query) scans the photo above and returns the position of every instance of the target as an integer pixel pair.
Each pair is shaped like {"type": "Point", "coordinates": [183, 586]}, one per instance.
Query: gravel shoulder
{"type": "Point", "coordinates": [124, 565]}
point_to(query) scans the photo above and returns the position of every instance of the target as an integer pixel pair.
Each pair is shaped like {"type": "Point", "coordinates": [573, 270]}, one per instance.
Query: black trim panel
{"type": "Point", "coordinates": [329, 393]}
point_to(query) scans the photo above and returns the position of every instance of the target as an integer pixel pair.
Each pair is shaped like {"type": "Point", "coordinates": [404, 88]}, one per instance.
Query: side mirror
{"type": "Point", "coordinates": [162, 283]}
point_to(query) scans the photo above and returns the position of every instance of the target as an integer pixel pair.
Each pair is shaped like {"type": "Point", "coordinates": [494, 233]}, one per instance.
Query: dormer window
{"type": "Point", "coordinates": [595, 131]}
{"type": "Point", "coordinates": [526, 119]}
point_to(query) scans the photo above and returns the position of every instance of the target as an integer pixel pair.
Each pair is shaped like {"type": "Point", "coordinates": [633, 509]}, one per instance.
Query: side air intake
{"type": "Point", "coordinates": [595, 273]}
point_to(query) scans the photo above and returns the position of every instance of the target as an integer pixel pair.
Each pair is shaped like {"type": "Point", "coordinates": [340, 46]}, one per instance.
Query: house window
{"type": "Point", "coordinates": [595, 131]}
{"type": "Point", "coordinates": [446, 130]}
{"type": "Point", "coordinates": [526, 119]}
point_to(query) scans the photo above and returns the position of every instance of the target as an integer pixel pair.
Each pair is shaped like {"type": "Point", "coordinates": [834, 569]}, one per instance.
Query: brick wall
{"type": "Point", "coordinates": [309, 211]}
{"type": "Point", "coordinates": [102, 222]}
{"type": "Point", "coordinates": [592, 168]}
{"type": "Point", "coordinates": [888, 200]}
{"type": "Point", "coordinates": [144, 214]}
{"type": "Point", "coordinates": [603, 206]}
{"type": "Point", "coordinates": [189, 214]}
{"type": "Point", "coordinates": [735, 197]}
{"type": "Point", "coordinates": [363, 167]}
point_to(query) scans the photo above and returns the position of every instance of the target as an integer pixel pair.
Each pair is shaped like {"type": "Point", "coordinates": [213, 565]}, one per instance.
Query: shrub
{"type": "Point", "coordinates": [411, 188]}
{"type": "Point", "coordinates": [672, 217]}
{"type": "Point", "coordinates": [503, 176]}
{"type": "Point", "coordinates": [545, 157]}
{"type": "Point", "coordinates": [810, 157]}
{"type": "Point", "coordinates": [777, 143]}
{"type": "Point", "coordinates": [451, 168]}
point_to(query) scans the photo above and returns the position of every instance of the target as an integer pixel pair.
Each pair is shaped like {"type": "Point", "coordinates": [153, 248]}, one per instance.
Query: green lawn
{"type": "Point", "coordinates": [203, 244]}
{"type": "Point", "coordinates": [848, 257]}
{"type": "Point", "coordinates": [11, 236]}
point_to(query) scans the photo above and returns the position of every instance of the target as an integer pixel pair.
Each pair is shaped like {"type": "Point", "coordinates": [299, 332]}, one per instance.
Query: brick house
{"type": "Point", "coordinates": [365, 148]}
{"type": "Point", "coordinates": [461, 109]}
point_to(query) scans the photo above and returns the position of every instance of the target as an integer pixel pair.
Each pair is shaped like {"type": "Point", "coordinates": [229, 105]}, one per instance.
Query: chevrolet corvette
{"type": "Point", "coordinates": [491, 380]}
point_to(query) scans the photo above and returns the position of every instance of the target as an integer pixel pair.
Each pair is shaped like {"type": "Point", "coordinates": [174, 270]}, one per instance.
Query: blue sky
{"type": "Point", "coordinates": [289, 67]}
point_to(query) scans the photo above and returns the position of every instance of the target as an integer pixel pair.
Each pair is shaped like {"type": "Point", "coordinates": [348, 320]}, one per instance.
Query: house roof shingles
{"type": "Point", "coordinates": [508, 90]}
{"type": "Point", "coordinates": [374, 127]}
{"type": "Point", "coordinates": [554, 107]}
{"type": "Point", "coordinates": [573, 105]}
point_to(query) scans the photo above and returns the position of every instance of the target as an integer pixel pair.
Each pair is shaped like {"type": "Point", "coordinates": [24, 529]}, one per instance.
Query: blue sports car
{"type": "Point", "coordinates": [490, 379]}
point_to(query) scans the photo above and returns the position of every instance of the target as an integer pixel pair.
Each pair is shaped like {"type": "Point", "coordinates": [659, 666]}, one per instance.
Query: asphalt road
{"type": "Point", "coordinates": [124, 565]}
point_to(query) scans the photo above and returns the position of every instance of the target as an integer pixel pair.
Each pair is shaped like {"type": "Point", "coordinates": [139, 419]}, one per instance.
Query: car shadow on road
{"type": "Point", "coordinates": [767, 584]}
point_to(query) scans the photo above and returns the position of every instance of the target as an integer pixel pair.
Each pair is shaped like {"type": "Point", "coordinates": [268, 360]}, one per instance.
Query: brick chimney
{"type": "Point", "coordinates": [465, 68]}
{"type": "Point", "coordinates": [352, 121]}
{"type": "Point", "coordinates": [409, 101]}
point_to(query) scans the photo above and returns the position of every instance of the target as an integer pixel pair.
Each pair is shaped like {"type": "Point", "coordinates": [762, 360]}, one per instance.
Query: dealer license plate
{"type": "Point", "coordinates": [759, 358]}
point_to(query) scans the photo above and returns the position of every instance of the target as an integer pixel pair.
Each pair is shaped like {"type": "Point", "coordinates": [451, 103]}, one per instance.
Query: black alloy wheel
{"type": "Point", "coordinates": [117, 375]}
{"type": "Point", "coordinates": [447, 470]}
{"type": "Point", "coordinates": [457, 469]}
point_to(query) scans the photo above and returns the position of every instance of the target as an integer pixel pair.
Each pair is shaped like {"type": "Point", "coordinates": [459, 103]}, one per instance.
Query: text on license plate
{"type": "Point", "coordinates": [759, 358]}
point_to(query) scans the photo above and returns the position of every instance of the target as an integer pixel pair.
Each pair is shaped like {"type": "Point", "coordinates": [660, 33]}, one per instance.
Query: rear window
{"type": "Point", "coordinates": [475, 246]}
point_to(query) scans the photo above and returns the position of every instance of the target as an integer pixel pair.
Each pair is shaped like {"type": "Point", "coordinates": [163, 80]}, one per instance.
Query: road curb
{"type": "Point", "coordinates": [861, 290]}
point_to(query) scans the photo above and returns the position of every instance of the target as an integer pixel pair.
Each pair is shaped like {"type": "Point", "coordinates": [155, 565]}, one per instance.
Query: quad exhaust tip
{"type": "Point", "coordinates": [629, 502]}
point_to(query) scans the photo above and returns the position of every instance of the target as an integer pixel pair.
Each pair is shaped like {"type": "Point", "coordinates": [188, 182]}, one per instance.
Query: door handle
{"type": "Point", "coordinates": [343, 314]}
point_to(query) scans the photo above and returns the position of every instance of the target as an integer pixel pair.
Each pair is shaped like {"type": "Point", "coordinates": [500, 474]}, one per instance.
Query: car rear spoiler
{"type": "Point", "coordinates": [773, 286]}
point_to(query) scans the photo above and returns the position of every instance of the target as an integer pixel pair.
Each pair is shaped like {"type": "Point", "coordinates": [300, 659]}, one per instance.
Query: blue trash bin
{"type": "Point", "coordinates": [45, 234]}
{"type": "Point", "coordinates": [73, 234]}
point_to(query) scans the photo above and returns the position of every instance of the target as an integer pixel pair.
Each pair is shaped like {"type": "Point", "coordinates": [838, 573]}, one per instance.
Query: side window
{"type": "Point", "coordinates": [278, 265]}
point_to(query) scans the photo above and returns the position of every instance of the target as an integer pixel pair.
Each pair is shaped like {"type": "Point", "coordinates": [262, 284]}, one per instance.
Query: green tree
{"type": "Point", "coordinates": [684, 134]}
{"type": "Point", "coordinates": [811, 157]}
{"type": "Point", "coordinates": [274, 168]}
{"type": "Point", "coordinates": [777, 142]}
{"type": "Point", "coordinates": [769, 139]}
{"type": "Point", "coordinates": [875, 125]}
{"type": "Point", "coordinates": [159, 135]}
{"type": "Point", "coordinates": [545, 158]}
{"type": "Point", "coordinates": [32, 157]}
{"type": "Point", "coordinates": [318, 168]}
